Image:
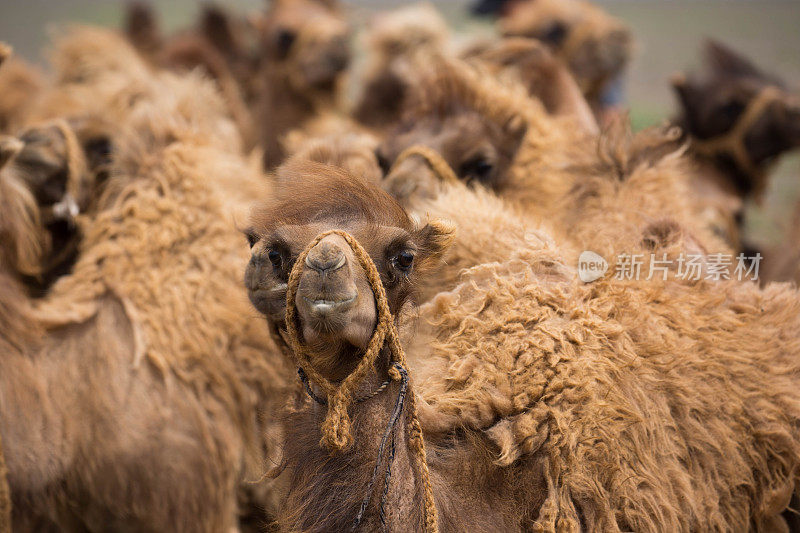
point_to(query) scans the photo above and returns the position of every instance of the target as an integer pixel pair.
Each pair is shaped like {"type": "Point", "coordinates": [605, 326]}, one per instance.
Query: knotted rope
{"type": "Point", "coordinates": [5, 494]}
{"type": "Point", "coordinates": [79, 179]}
{"type": "Point", "coordinates": [435, 161]}
{"type": "Point", "coordinates": [336, 429]}
{"type": "Point", "coordinates": [732, 142]}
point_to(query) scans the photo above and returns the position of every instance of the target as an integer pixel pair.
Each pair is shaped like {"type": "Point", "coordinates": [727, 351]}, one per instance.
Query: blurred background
{"type": "Point", "coordinates": [668, 33]}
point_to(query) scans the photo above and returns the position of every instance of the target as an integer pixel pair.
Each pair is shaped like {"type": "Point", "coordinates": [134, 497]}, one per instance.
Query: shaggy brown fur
{"type": "Point", "coordinates": [551, 405]}
{"type": "Point", "coordinates": [218, 47]}
{"type": "Point", "coordinates": [147, 385]}
{"type": "Point", "coordinates": [20, 85]}
{"type": "Point", "coordinates": [595, 46]}
{"type": "Point", "coordinates": [545, 77]}
{"type": "Point", "coordinates": [614, 390]}
{"type": "Point", "coordinates": [593, 191]}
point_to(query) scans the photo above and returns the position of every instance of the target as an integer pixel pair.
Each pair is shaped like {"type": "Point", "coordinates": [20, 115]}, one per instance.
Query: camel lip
{"type": "Point", "coordinates": [266, 293]}
{"type": "Point", "coordinates": [269, 301]}
{"type": "Point", "coordinates": [324, 306]}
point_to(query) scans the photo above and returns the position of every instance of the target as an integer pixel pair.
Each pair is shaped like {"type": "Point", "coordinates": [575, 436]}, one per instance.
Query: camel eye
{"type": "Point", "coordinates": [284, 41]}
{"type": "Point", "coordinates": [477, 169]}
{"type": "Point", "coordinates": [404, 260]}
{"type": "Point", "coordinates": [732, 109]}
{"type": "Point", "coordinates": [383, 162]}
{"type": "Point", "coordinates": [555, 34]}
{"type": "Point", "coordinates": [252, 238]}
{"type": "Point", "coordinates": [275, 258]}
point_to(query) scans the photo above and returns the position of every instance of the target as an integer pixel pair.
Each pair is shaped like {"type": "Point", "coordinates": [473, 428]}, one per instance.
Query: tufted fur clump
{"type": "Point", "coordinates": [630, 182]}
{"type": "Point", "coordinates": [614, 405]}
{"type": "Point", "coordinates": [20, 86]}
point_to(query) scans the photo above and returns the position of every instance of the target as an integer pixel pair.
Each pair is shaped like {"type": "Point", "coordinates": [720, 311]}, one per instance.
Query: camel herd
{"type": "Point", "coordinates": [408, 343]}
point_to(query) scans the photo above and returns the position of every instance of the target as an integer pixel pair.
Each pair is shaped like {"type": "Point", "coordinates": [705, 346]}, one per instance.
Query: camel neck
{"type": "Point", "coordinates": [360, 472]}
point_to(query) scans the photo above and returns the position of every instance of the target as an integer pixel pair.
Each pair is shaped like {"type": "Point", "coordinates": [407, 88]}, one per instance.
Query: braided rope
{"type": "Point", "coordinates": [732, 142]}
{"type": "Point", "coordinates": [434, 160]}
{"type": "Point", "coordinates": [5, 494]}
{"type": "Point", "coordinates": [336, 428]}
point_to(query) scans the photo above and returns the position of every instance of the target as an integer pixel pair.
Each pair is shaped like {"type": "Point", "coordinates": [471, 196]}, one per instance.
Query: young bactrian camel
{"type": "Point", "coordinates": [304, 51]}
{"type": "Point", "coordinates": [738, 120]}
{"type": "Point", "coordinates": [393, 40]}
{"type": "Point", "coordinates": [494, 136]}
{"type": "Point", "coordinates": [546, 404]}
{"type": "Point", "coordinates": [134, 393]}
{"type": "Point", "coordinates": [595, 46]}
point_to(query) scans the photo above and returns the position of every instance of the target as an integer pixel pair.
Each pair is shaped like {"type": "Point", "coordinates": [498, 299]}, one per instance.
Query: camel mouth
{"type": "Point", "coordinates": [322, 307]}
{"type": "Point", "coordinates": [270, 302]}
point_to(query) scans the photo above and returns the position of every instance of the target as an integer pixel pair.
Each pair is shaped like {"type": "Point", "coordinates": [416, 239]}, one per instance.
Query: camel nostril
{"type": "Point", "coordinates": [325, 257]}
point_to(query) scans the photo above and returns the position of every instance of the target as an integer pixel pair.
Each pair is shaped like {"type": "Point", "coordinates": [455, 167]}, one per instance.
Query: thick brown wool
{"type": "Point", "coordinates": [648, 406]}
{"type": "Point", "coordinates": [5, 494]}
{"type": "Point", "coordinates": [151, 317]}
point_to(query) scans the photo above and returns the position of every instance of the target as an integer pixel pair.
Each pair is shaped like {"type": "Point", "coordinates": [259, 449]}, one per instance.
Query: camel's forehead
{"type": "Point", "coordinates": [373, 238]}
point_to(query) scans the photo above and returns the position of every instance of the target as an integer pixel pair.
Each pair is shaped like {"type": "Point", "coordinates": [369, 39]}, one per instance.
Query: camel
{"type": "Point", "coordinates": [738, 121]}
{"type": "Point", "coordinates": [595, 46]}
{"type": "Point", "coordinates": [123, 406]}
{"type": "Point", "coordinates": [545, 404]}
{"type": "Point", "coordinates": [463, 126]}
{"type": "Point", "coordinates": [304, 52]}
{"type": "Point", "coordinates": [58, 167]}
{"type": "Point", "coordinates": [394, 39]}
{"type": "Point", "coordinates": [221, 46]}
{"type": "Point", "coordinates": [546, 78]}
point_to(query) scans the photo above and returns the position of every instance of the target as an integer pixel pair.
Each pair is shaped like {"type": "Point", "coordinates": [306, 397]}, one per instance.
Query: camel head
{"type": "Point", "coordinates": [49, 173]}
{"type": "Point", "coordinates": [449, 112]}
{"type": "Point", "coordinates": [596, 46]}
{"type": "Point", "coordinates": [714, 104]}
{"type": "Point", "coordinates": [309, 39]}
{"type": "Point", "coordinates": [335, 303]}
{"type": "Point", "coordinates": [22, 239]}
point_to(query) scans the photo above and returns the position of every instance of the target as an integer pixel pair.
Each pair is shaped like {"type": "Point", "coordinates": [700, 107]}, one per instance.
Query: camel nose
{"type": "Point", "coordinates": [325, 257]}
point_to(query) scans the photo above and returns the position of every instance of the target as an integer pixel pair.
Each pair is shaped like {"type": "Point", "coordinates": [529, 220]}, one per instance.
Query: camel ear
{"type": "Point", "coordinates": [9, 148]}
{"type": "Point", "coordinates": [435, 238]}
{"type": "Point", "coordinates": [683, 90]}
{"type": "Point", "coordinates": [141, 26]}
{"type": "Point", "coordinates": [217, 28]}
{"type": "Point", "coordinates": [726, 61]}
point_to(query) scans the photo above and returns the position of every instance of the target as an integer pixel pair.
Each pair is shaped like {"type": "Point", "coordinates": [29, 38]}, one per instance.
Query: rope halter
{"type": "Point", "coordinates": [336, 428]}
{"type": "Point", "coordinates": [435, 161]}
{"type": "Point", "coordinates": [732, 142]}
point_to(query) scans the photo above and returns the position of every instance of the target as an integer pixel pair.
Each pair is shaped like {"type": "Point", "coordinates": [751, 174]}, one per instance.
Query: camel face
{"type": "Point", "coordinates": [311, 38]}
{"type": "Point", "coordinates": [594, 45]}
{"type": "Point", "coordinates": [335, 303]}
{"type": "Point", "coordinates": [477, 150]}
{"type": "Point", "coordinates": [713, 104]}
